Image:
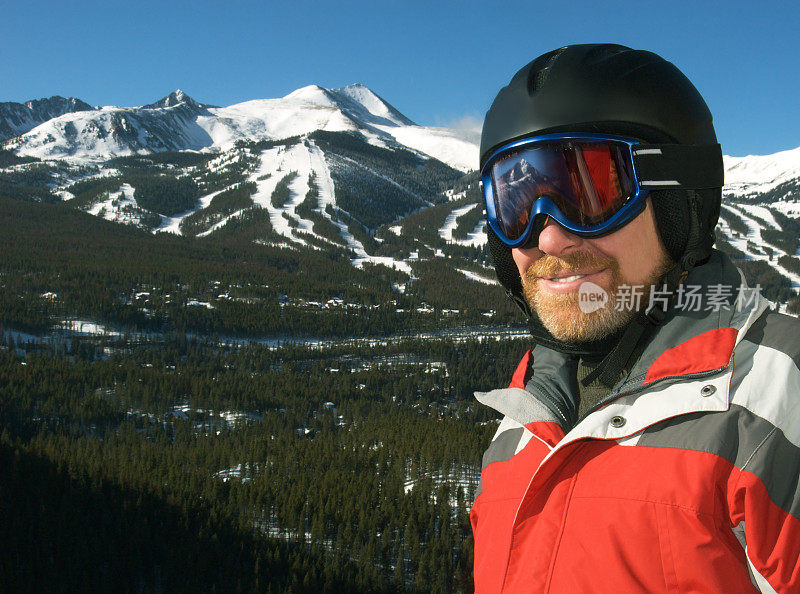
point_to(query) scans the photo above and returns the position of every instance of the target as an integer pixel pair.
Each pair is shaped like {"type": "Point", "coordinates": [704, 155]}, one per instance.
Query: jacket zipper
{"type": "Point", "coordinates": [553, 404]}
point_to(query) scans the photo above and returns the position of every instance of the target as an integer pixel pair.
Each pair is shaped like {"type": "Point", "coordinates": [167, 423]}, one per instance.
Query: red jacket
{"type": "Point", "coordinates": [686, 479]}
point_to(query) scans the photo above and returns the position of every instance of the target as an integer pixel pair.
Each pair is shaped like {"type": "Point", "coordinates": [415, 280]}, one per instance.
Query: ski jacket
{"type": "Point", "coordinates": [686, 478]}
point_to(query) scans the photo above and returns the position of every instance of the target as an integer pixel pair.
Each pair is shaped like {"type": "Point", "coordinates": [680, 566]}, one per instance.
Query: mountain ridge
{"type": "Point", "coordinates": [179, 122]}
{"type": "Point", "coordinates": [19, 118]}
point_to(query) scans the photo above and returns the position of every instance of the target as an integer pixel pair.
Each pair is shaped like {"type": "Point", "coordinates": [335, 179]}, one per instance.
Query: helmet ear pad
{"type": "Point", "coordinates": [672, 208]}
{"type": "Point", "coordinates": [504, 265]}
{"type": "Point", "coordinates": [671, 213]}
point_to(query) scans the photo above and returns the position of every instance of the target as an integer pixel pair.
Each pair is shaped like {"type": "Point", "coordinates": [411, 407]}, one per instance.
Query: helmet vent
{"type": "Point", "coordinates": [540, 70]}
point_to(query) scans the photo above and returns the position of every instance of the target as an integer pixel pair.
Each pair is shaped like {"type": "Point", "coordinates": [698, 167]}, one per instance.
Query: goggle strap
{"type": "Point", "coordinates": [691, 166]}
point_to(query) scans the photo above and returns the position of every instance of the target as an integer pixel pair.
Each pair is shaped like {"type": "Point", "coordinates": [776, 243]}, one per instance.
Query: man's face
{"type": "Point", "coordinates": [553, 273]}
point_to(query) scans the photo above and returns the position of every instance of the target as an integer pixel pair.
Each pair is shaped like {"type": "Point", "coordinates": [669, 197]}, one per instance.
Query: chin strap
{"type": "Point", "coordinates": [520, 301]}
{"type": "Point", "coordinates": [647, 320]}
{"type": "Point", "coordinates": [638, 330]}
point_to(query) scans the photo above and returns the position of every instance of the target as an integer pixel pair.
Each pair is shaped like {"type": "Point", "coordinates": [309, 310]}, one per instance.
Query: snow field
{"type": "Point", "coordinates": [118, 206]}
{"type": "Point", "coordinates": [442, 143]}
{"type": "Point", "coordinates": [789, 208]}
{"type": "Point", "coordinates": [760, 173]}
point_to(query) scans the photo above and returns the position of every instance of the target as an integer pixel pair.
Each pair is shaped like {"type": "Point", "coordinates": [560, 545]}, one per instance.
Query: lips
{"type": "Point", "coordinates": [570, 282]}
{"type": "Point", "coordinates": [565, 275]}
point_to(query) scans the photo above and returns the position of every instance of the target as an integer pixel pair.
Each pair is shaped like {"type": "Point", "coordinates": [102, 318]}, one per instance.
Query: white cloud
{"type": "Point", "coordinates": [468, 126]}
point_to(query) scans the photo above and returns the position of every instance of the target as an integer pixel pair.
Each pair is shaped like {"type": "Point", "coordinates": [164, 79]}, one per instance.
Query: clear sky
{"type": "Point", "coordinates": [439, 63]}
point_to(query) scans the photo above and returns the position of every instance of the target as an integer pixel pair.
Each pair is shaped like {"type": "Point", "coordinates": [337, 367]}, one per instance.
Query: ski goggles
{"type": "Point", "coordinates": [590, 184]}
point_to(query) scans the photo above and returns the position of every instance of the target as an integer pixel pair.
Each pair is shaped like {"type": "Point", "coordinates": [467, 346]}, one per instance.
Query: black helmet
{"type": "Point", "coordinates": [610, 89]}
{"type": "Point", "coordinates": [583, 87]}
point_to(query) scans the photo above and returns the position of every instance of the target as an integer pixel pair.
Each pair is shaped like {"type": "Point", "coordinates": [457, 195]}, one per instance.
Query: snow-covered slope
{"type": "Point", "coordinates": [299, 113]}
{"type": "Point", "coordinates": [447, 145]}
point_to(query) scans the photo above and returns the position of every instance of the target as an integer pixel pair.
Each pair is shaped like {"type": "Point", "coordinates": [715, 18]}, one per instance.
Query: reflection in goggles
{"type": "Point", "coordinates": [588, 183]}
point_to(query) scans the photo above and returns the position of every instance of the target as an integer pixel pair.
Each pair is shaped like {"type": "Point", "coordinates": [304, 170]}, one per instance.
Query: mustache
{"type": "Point", "coordinates": [548, 265]}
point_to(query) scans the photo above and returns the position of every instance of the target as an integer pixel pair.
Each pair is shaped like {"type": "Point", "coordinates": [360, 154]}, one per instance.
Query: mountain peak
{"type": "Point", "coordinates": [176, 97]}
{"type": "Point", "coordinates": [311, 94]}
{"type": "Point", "coordinates": [356, 100]}
{"type": "Point", "coordinates": [372, 102]}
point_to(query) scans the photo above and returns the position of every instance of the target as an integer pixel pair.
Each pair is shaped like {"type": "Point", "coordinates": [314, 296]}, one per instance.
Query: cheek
{"type": "Point", "coordinates": [633, 270]}
{"type": "Point", "coordinates": [637, 250]}
{"type": "Point", "coordinates": [524, 258]}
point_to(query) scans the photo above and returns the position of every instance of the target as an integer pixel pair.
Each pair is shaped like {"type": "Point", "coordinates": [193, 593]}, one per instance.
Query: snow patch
{"type": "Point", "coordinates": [477, 277]}
{"type": "Point", "coordinates": [119, 206]}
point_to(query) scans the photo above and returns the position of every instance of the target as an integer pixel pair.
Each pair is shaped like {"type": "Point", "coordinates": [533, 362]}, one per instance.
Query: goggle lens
{"type": "Point", "coordinates": [588, 181]}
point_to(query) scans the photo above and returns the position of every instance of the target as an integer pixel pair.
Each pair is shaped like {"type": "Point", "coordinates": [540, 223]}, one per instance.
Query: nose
{"type": "Point", "coordinates": [555, 240]}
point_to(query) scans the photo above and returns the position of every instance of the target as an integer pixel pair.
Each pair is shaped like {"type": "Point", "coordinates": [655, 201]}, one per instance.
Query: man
{"type": "Point", "coordinates": [651, 438]}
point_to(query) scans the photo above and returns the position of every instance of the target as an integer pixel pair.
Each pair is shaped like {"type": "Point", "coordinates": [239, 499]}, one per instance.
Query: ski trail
{"type": "Point", "coordinates": [762, 213]}
{"type": "Point", "coordinates": [450, 223]}
{"type": "Point", "coordinates": [173, 224]}
{"type": "Point", "coordinates": [475, 238]}
{"type": "Point", "coordinates": [754, 236]}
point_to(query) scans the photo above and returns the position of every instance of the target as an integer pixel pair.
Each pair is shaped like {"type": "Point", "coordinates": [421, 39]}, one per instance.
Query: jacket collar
{"type": "Point", "coordinates": [701, 328]}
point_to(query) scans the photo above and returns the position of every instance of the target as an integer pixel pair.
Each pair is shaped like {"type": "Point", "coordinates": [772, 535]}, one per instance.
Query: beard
{"type": "Point", "coordinates": [562, 315]}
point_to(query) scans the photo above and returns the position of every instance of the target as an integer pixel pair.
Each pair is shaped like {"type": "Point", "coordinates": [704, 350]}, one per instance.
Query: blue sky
{"type": "Point", "coordinates": [440, 63]}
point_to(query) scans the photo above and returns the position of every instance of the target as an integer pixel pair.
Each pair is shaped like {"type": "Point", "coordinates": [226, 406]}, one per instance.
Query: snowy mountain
{"type": "Point", "coordinates": [762, 174]}
{"type": "Point", "coordinates": [18, 118]}
{"type": "Point", "coordinates": [324, 168]}
{"type": "Point", "coordinates": [178, 122]}
{"type": "Point", "coordinates": [98, 135]}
